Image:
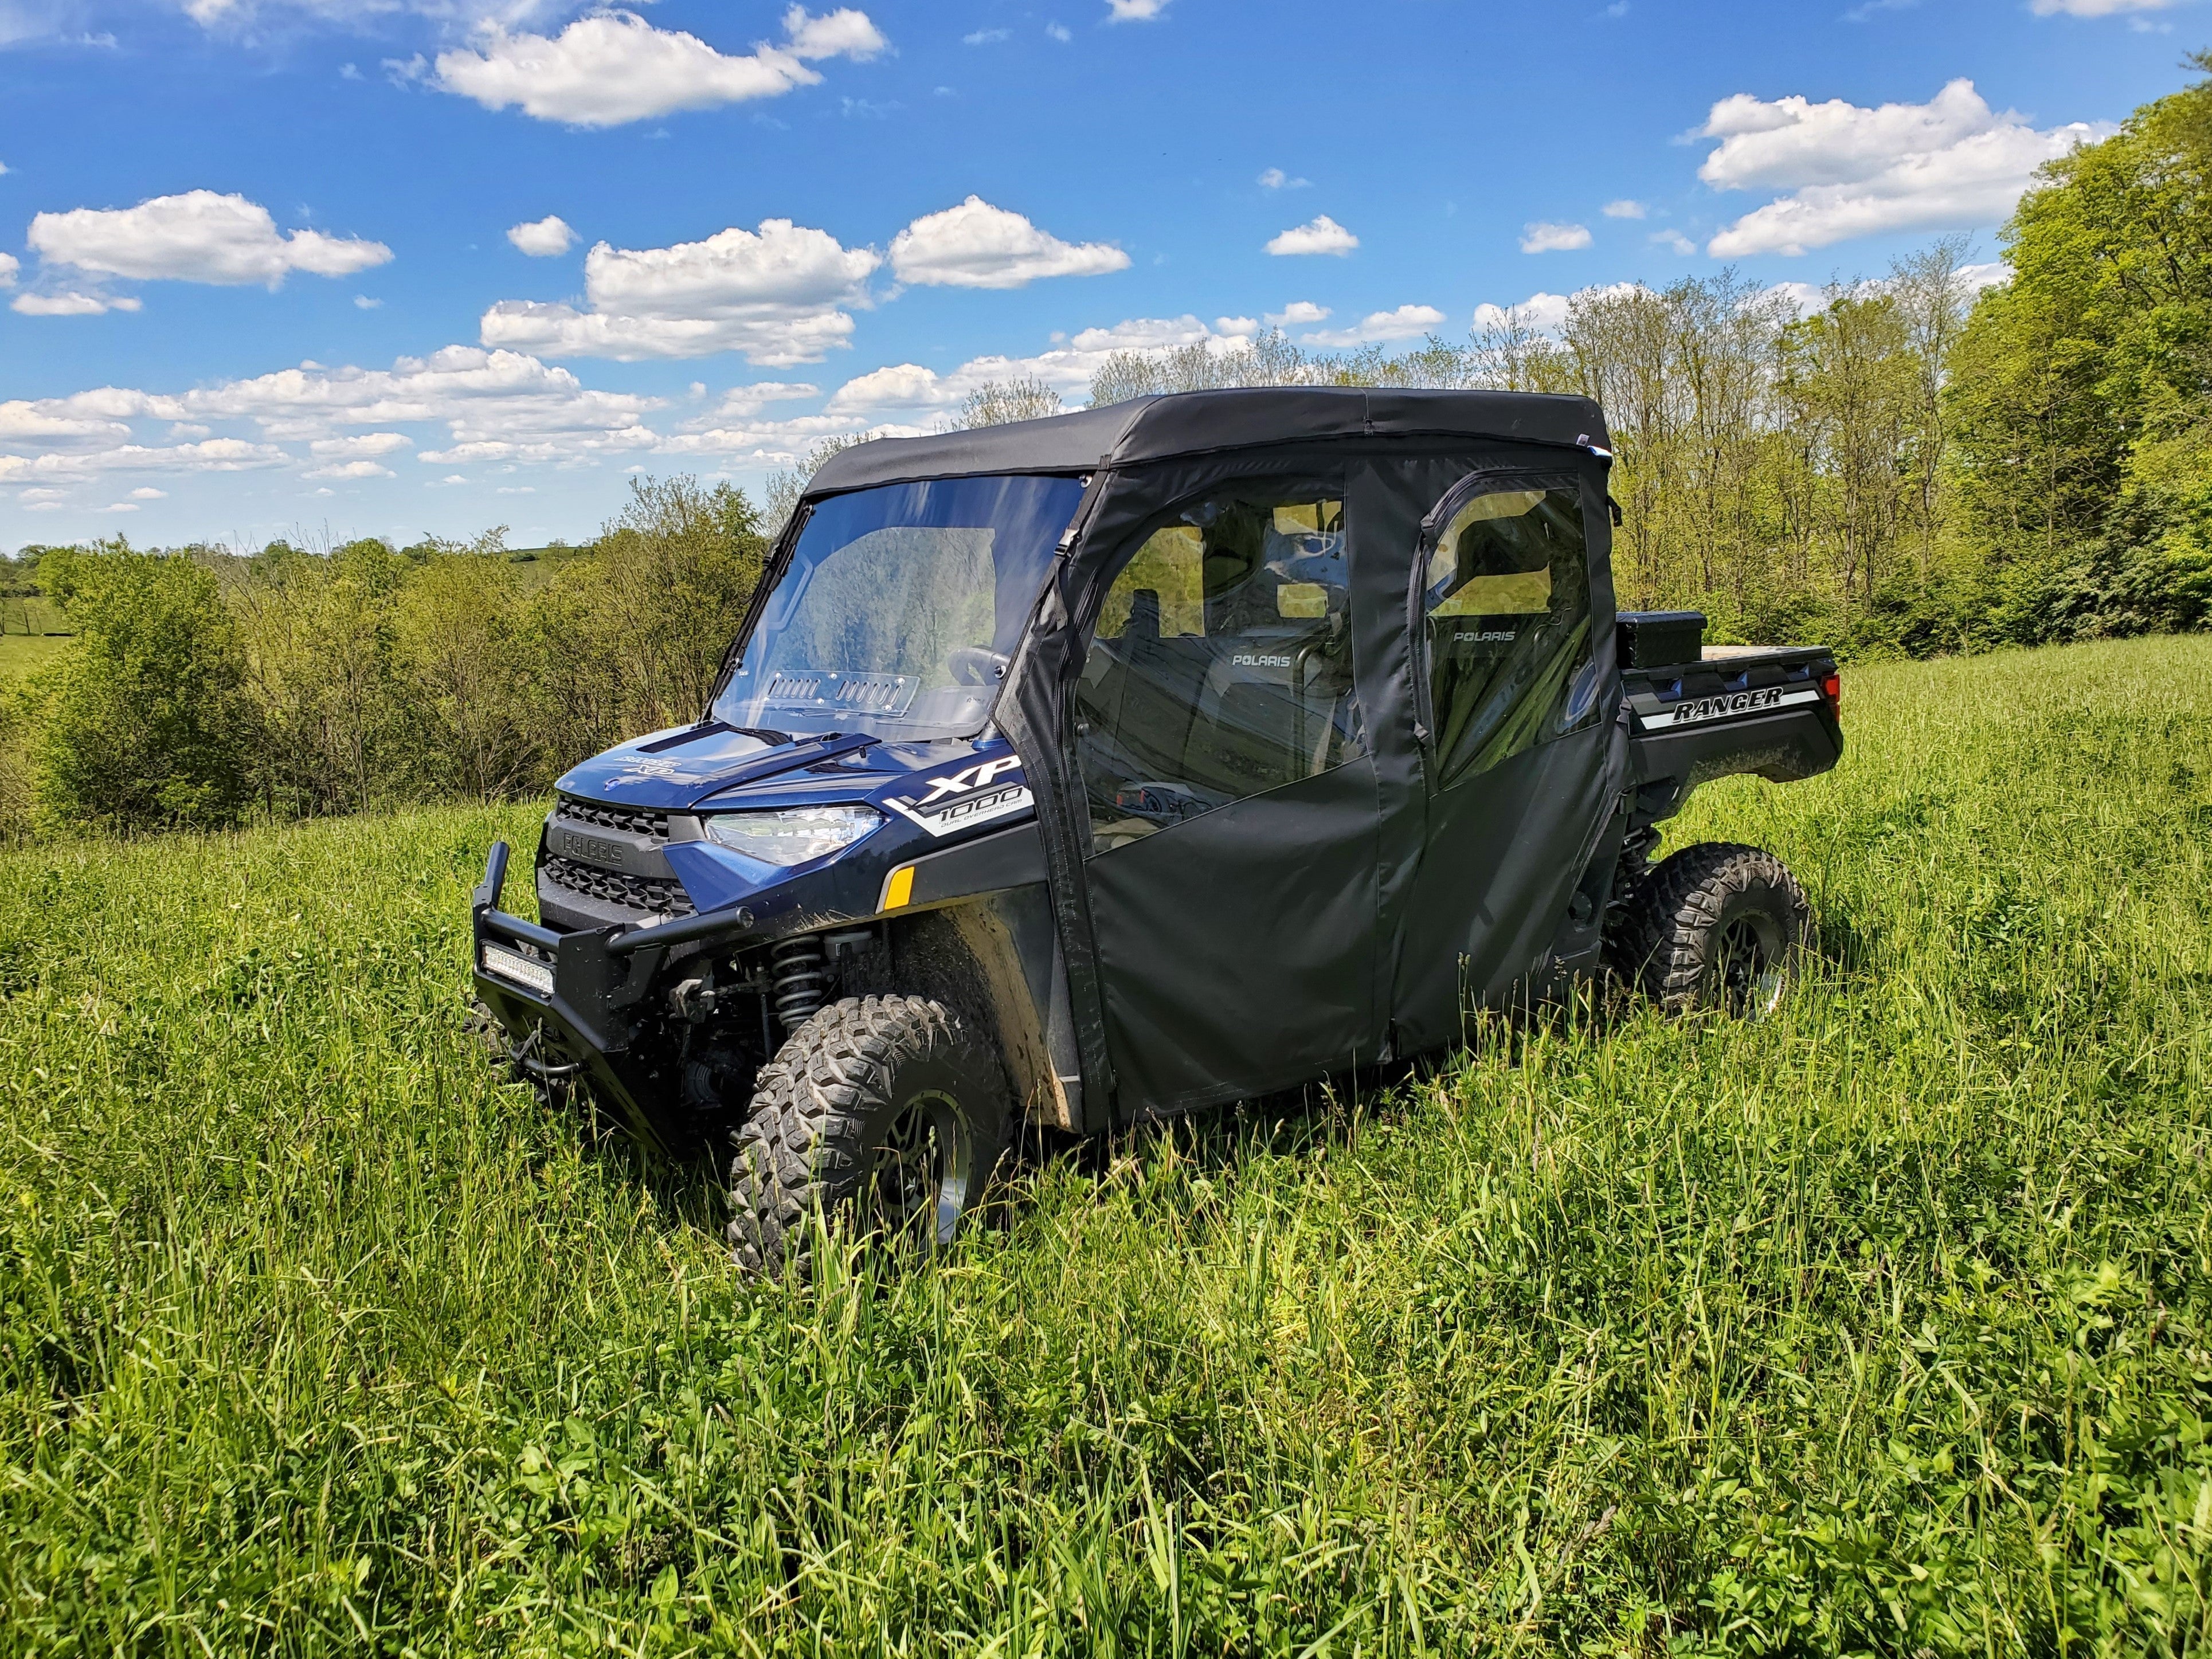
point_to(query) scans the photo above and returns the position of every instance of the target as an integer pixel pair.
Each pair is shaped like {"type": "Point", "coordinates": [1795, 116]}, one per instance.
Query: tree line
{"type": "Point", "coordinates": [205, 688]}
{"type": "Point", "coordinates": [1913, 466]}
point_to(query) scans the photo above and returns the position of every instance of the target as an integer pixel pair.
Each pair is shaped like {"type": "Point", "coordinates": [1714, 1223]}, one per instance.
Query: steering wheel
{"type": "Point", "coordinates": [976, 665]}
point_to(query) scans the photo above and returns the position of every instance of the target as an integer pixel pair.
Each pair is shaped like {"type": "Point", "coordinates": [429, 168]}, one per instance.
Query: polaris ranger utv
{"type": "Point", "coordinates": [1134, 761]}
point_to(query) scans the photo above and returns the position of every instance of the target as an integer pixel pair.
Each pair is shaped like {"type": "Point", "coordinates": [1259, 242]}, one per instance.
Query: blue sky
{"type": "Point", "coordinates": [268, 266]}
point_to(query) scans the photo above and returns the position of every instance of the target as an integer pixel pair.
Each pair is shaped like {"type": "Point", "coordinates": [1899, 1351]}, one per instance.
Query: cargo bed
{"type": "Point", "coordinates": [1714, 711]}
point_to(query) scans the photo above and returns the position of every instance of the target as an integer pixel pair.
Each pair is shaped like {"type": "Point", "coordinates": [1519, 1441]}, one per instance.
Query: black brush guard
{"type": "Point", "coordinates": [584, 1028]}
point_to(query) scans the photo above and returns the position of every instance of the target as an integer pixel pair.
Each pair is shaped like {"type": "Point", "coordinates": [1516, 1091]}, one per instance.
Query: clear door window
{"type": "Point", "coordinates": [1505, 603]}
{"type": "Point", "coordinates": [1221, 666]}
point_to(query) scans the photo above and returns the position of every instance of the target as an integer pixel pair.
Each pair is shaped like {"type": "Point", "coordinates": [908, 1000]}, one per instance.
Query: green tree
{"type": "Point", "coordinates": [454, 633]}
{"type": "Point", "coordinates": [679, 566]}
{"type": "Point", "coordinates": [1268, 359]}
{"type": "Point", "coordinates": [630, 638]}
{"type": "Point", "coordinates": [1847, 378]}
{"type": "Point", "coordinates": [1000, 402]}
{"type": "Point", "coordinates": [321, 643]}
{"type": "Point", "coordinates": [2081, 392]}
{"type": "Point", "coordinates": [146, 725]}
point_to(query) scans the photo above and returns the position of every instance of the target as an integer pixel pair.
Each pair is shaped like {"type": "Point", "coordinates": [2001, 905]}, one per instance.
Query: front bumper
{"type": "Point", "coordinates": [577, 1007]}
{"type": "Point", "coordinates": [570, 1003]}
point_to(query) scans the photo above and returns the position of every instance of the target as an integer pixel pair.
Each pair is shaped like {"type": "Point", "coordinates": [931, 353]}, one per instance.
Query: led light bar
{"type": "Point", "coordinates": [521, 970]}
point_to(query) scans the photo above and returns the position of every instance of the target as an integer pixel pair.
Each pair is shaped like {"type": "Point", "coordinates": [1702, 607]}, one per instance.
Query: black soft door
{"type": "Point", "coordinates": [1509, 613]}
{"type": "Point", "coordinates": [1229, 796]}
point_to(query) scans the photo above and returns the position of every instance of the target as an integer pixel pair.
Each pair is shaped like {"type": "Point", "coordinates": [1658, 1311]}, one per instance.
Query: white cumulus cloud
{"type": "Point", "coordinates": [69, 302]}
{"type": "Point", "coordinates": [977, 246]}
{"type": "Point", "coordinates": [9, 265]}
{"type": "Point", "coordinates": [1276, 178]}
{"type": "Point", "coordinates": [1624, 209]}
{"type": "Point", "coordinates": [1133, 11]}
{"type": "Point", "coordinates": [348, 469]}
{"type": "Point", "coordinates": [1544, 237]}
{"type": "Point", "coordinates": [1299, 313]}
{"type": "Point", "coordinates": [210, 455]}
{"type": "Point", "coordinates": [58, 420]}
{"type": "Point", "coordinates": [741, 401]}
{"type": "Point", "coordinates": [359, 445]}
{"type": "Point", "coordinates": [542, 239]}
{"type": "Point", "coordinates": [1320, 234]}
{"type": "Point", "coordinates": [614, 67]}
{"type": "Point", "coordinates": [1847, 170]}
{"type": "Point", "coordinates": [197, 236]}
{"type": "Point", "coordinates": [1406, 322]}
{"type": "Point", "coordinates": [776, 294]}
{"type": "Point", "coordinates": [492, 405]}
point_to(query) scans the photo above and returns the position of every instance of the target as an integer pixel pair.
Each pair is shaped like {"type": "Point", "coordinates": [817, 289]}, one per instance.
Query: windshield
{"type": "Point", "coordinates": [901, 609]}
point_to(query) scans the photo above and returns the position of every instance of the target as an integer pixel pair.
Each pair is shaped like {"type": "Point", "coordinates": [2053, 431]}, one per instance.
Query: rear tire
{"type": "Point", "coordinates": [883, 1112]}
{"type": "Point", "coordinates": [1717, 926]}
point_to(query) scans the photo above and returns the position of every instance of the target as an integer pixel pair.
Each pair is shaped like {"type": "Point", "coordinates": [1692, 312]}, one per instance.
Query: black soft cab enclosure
{"type": "Point", "coordinates": [1137, 761]}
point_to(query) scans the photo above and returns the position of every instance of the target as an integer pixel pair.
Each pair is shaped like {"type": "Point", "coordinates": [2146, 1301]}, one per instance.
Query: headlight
{"type": "Point", "coordinates": [792, 835]}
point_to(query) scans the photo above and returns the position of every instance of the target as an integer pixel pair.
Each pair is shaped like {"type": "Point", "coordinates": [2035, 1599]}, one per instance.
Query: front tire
{"type": "Point", "coordinates": [884, 1111]}
{"type": "Point", "coordinates": [1717, 926]}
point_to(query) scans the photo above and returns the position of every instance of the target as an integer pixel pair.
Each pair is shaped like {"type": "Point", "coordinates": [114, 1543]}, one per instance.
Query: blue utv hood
{"type": "Point", "coordinates": [668, 769]}
{"type": "Point", "coordinates": [927, 791]}
{"type": "Point", "coordinates": [713, 766]}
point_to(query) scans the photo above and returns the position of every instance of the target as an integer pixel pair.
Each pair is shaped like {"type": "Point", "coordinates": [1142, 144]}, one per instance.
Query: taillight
{"type": "Point", "coordinates": [1832, 688]}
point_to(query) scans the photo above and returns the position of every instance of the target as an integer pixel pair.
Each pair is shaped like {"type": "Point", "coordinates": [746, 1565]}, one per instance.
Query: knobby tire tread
{"type": "Point", "coordinates": [803, 1143]}
{"type": "Point", "coordinates": [1663, 945]}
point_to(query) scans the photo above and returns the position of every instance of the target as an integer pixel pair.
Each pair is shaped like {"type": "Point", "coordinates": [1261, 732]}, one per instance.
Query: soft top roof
{"type": "Point", "coordinates": [1190, 422]}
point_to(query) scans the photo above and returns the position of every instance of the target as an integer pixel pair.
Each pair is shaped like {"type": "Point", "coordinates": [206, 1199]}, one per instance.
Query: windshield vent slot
{"type": "Point", "coordinates": [828, 688]}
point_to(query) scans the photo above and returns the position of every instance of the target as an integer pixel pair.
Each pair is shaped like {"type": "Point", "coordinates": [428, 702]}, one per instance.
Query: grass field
{"type": "Point", "coordinates": [540, 568]}
{"type": "Point", "coordinates": [34, 615]}
{"type": "Point", "coordinates": [26, 653]}
{"type": "Point", "coordinates": [1881, 1326]}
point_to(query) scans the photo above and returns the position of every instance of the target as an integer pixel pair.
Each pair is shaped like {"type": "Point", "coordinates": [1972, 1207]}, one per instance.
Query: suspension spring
{"type": "Point", "coordinates": [1635, 864]}
{"type": "Point", "coordinates": [800, 972]}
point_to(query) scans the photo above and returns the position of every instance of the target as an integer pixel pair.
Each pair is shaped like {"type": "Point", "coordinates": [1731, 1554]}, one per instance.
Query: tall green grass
{"type": "Point", "coordinates": [23, 654]}
{"type": "Point", "coordinates": [1879, 1326]}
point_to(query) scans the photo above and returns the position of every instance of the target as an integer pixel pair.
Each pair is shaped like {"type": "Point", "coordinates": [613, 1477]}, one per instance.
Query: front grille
{"type": "Point", "coordinates": [648, 895]}
{"type": "Point", "coordinates": [630, 820]}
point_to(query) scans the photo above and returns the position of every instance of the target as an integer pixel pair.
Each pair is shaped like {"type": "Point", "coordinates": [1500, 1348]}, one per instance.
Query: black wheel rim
{"type": "Point", "coordinates": [1749, 963]}
{"type": "Point", "coordinates": [920, 1178]}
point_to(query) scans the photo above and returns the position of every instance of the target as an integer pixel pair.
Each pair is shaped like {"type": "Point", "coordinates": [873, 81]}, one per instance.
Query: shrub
{"type": "Point", "coordinates": [146, 722]}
